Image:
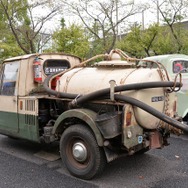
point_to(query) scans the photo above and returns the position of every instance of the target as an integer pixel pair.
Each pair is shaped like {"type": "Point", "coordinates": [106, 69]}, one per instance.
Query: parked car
{"type": "Point", "coordinates": [174, 63]}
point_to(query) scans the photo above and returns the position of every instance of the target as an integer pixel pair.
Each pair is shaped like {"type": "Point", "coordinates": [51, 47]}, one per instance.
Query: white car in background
{"type": "Point", "coordinates": [174, 63]}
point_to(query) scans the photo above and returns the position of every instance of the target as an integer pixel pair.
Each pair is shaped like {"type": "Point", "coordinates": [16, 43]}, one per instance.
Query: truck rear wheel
{"type": "Point", "coordinates": [81, 153]}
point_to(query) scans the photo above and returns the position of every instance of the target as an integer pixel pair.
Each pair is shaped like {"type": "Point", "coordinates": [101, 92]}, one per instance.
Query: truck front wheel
{"type": "Point", "coordinates": [81, 153]}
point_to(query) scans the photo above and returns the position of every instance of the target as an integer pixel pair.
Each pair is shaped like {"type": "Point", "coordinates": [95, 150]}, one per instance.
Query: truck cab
{"type": "Point", "coordinates": [21, 95]}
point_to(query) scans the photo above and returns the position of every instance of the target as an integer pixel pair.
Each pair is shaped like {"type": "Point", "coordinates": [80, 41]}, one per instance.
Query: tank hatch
{"type": "Point", "coordinates": [115, 60]}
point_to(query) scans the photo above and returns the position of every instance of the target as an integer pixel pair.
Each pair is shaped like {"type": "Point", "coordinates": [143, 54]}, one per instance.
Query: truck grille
{"type": "Point", "coordinates": [30, 112]}
{"type": "Point", "coordinates": [30, 119]}
{"type": "Point", "coordinates": [30, 105]}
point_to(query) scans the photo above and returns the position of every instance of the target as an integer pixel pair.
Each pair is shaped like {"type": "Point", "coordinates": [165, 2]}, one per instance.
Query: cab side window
{"type": "Point", "coordinates": [55, 65]}
{"type": "Point", "coordinates": [9, 78]}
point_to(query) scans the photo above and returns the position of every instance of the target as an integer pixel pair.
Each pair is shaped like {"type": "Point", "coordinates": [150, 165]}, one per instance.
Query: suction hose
{"type": "Point", "coordinates": [56, 93]}
{"type": "Point", "coordinates": [79, 99]}
{"type": "Point", "coordinates": [152, 111]}
{"type": "Point", "coordinates": [136, 86]}
{"type": "Point", "coordinates": [135, 102]}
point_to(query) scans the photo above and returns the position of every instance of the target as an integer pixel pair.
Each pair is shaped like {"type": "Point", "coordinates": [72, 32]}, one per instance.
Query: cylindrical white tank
{"type": "Point", "coordinates": [89, 79]}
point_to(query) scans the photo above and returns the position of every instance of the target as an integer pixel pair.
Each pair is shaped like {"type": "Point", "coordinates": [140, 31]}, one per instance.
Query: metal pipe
{"type": "Point", "coordinates": [112, 86]}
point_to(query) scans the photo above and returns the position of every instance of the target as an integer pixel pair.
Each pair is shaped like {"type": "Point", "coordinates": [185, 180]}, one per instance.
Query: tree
{"type": "Point", "coordinates": [173, 12]}
{"type": "Point", "coordinates": [26, 21]}
{"type": "Point", "coordinates": [156, 40]}
{"type": "Point", "coordinates": [139, 42]}
{"type": "Point", "coordinates": [170, 37]}
{"type": "Point", "coordinates": [165, 43]}
{"type": "Point", "coordinates": [72, 40]}
{"type": "Point", "coordinates": [8, 45]}
{"type": "Point", "coordinates": [103, 18]}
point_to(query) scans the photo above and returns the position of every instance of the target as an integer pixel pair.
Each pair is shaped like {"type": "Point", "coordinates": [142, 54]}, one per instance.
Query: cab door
{"type": "Point", "coordinates": [9, 97]}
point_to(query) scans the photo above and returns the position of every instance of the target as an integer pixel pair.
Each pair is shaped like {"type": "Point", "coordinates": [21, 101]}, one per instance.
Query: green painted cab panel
{"type": "Point", "coordinates": [9, 121]}
{"type": "Point", "coordinates": [26, 129]}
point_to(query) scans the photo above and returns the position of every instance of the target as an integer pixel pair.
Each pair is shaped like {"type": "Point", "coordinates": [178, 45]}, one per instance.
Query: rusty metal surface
{"type": "Point", "coordinates": [110, 124]}
{"type": "Point", "coordinates": [156, 140]}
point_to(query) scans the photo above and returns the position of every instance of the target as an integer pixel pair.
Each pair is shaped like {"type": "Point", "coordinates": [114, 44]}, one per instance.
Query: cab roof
{"type": "Point", "coordinates": [27, 56]}
{"type": "Point", "coordinates": [166, 58]}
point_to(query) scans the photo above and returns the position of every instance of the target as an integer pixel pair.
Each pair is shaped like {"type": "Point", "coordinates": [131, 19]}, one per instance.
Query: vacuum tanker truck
{"type": "Point", "coordinates": [97, 113]}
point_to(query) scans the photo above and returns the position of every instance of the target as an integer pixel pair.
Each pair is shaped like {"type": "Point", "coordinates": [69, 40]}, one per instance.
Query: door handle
{"type": "Point", "coordinates": [14, 100]}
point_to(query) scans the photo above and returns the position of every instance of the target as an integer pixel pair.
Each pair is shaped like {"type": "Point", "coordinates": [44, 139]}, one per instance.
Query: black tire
{"type": "Point", "coordinates": [91, 159]}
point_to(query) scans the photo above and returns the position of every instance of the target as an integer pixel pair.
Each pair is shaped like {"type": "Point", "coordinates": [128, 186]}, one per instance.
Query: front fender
{"type": "Point", "coordinates": [88, 116]}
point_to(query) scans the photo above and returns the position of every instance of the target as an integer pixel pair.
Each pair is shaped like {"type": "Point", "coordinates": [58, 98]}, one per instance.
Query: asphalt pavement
{"type": "Point", "coordinates": [23, 166]}
{"type": "Point", "coordinates": [18, 173]}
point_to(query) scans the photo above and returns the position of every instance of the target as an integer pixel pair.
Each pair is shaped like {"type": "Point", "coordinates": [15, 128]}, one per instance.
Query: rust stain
{"type": "Point", "coordinates": [124, 79]}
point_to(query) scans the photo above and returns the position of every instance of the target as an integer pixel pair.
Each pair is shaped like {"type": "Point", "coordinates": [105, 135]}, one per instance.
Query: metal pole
{"type": "Point", "coordinates": [143, 20]}
{"type": "Point", "coordinates": [158, 11]}
{"type": "Point", "coordinates": [117, 29]}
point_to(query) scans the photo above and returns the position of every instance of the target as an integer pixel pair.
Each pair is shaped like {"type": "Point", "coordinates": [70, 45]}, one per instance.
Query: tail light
{"type": "Point", "coordinates": [54, 82]}
{"type": "Point", "coordinates": [128, 118]}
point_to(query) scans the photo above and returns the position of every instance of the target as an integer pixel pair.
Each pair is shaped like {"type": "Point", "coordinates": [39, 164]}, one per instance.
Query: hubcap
{"type": "Point", "coordinates": [79, 152]}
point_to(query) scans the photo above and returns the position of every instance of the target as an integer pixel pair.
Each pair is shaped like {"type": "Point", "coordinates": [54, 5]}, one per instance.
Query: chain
{"type": "Point", "coordinates": [164, 77]}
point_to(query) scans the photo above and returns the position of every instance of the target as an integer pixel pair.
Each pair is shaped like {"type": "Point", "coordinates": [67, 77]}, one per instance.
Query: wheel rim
{"type": "Point", "coordinates": [79, 152]}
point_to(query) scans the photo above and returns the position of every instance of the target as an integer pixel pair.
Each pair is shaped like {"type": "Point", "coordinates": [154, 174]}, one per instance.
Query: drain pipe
{"type": "Point", "coordinates": [112, 86]}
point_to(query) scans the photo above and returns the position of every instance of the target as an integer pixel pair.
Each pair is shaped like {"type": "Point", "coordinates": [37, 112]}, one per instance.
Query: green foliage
{"type": "Point", "coordinates": [131, 43]}
{"type": "Point", "coordinates": [164, 43]}
{"type": "Point", "coordinates": [9, 50]}
{"type": "Point", "coordinates": [15, 17]}
{"type": "Point", "coordinates": [8, 46]}
{"type": "Point", "coordinates": [26, 22]}
{"type": "Point", "coordinates": [184, 41]}
{"type": "Point", "coordinates": [138, 42]}
{"type": "Point", "coordinates": [71, 40]}
{"type": "Point", "coordinates": [155, 40]}
{"type": "Point", "coordinates": [101, 46]}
